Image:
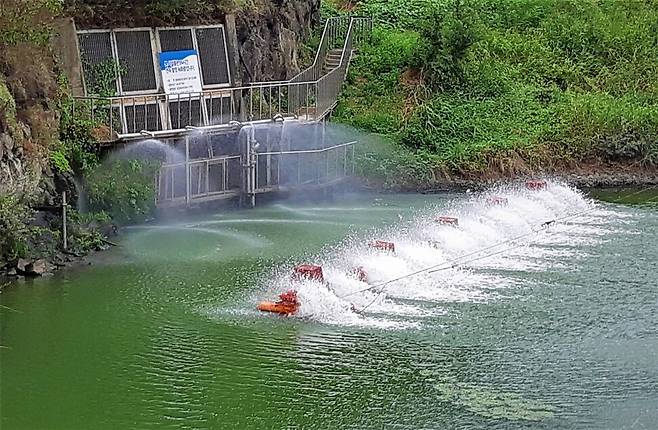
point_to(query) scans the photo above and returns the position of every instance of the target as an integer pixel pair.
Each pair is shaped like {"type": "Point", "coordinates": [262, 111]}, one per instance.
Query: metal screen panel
{"type": "Point", "coordinates": [234, 174]}
{"type": "Point", "coordinates": [142, 117]}
{"type": "Point", "coordinates": [135, 54]}
{"type": "Point", "coordinates": [212, 55]}
{"type": "Point", "coordinates": [216, 178]}
{"type": "Point", "coordinates": [219, 110]}
{"type": "Point", "coordinates": [95, 52]}
{"type": "Point", "coordinates": [185, 112]}
{"type": "Point", "coordinates": [175, 40]}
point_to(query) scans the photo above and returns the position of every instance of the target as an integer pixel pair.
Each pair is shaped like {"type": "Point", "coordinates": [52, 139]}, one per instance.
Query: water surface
{"type": "Point", "coordinates": [557, 330]}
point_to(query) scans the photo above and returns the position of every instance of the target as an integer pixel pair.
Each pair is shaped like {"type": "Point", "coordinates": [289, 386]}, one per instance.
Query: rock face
{"type": "Point", "coordinates": [269, 38]}
{"type": "Point", "coordinates": [269, 32]}
{"type": "Point", "coordinates": [38, 268]}
{"type": "Point", "coordinates": [29, 122]}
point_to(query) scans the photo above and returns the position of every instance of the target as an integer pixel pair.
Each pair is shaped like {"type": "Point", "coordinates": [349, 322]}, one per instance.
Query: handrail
{"type": "Point", "coordinates": [308, 151]}
{"type": "Point", "coordinates": [309, 95]}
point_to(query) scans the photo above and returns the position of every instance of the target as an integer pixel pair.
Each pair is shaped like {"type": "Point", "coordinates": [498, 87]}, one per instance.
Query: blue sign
{"type": "Point", "coordinates": [180, 71]}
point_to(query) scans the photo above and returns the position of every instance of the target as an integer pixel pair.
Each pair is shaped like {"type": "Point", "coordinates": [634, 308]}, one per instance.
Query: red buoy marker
{"type": "Point", "coordinates": [308, 271]}
{"type": "Point", "coordinates": [383, 245]}
{"type": "Point", "coordinates": [360, 274]}
{"type": "Point", "coordinates": [447, 220]}
{"type": "Point", "coordinates": [536, 184]}
{"type": "Point", "coordinates": [497, 201]}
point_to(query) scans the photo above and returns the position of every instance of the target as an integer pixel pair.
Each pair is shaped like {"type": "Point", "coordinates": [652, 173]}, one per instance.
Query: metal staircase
{"type": "Point", "coordinates": [308, 96]}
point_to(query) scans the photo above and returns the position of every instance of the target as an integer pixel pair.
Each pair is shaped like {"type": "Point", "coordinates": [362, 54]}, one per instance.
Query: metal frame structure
{"type": "Point", "coordinates": [338, 162]}
{"type": "Point", "coordinates": [311, 100]}
{"type": "Point", "coordinates": [308, 97]}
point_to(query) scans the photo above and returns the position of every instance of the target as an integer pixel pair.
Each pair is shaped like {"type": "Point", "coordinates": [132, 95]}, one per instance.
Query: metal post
{"type": "Point", "coordinates": [187, 170]}
{"type": "Point", "coordinates": [65, 244]}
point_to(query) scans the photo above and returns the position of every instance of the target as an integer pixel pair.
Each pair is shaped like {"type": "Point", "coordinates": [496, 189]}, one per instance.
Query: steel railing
{"type": "Point", "coordinates": [293, 169]}
{"type": "Point", "coordinates": [198, 180]}
{"type": "Point", "coordinates": [309, 95]}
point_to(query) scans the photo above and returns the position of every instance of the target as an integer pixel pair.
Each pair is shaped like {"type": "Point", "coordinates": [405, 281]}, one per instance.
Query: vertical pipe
{"type": "Point", "coordinates": [134, 116]}
{"type": "Point", "coordinates": [253, 163]}
{"type": "Point", "coordinates": [251, 103]}
{"type": "Point", "coordinates": [111, 119]}
{"type": "Point", "coordinates": [299, 170]}
{"type": "Point", "coordinates": [353, 160]}
{"type": "Point", "coordinates": [173, 188]}
{"type": "Point", "coordinates": [208, 178]}
{"type": "Point", "coordinates": [189, 109]}
{"type": "Point", "coordinates": [178, 104]}
{"type": "Point", "coordinates": [260, 102]}
{"type": "Point", "coordinates": [187, 170]}
{"type": "Point", "coordinates": [221, 108]}
{"type": "Point", "coordinates": [65, 243]}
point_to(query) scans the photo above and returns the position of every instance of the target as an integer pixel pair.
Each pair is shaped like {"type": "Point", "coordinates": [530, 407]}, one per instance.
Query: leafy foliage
{"type": "Point", "coordinates": [472, 85]}
{"type": "Point", "coordinates": [102, 77]}
{"type": "Point", "coordinates": [76, 150]}
{"type": "Point", "coordinates": [14, 229]}
{"type": "Point", "coordinates": [123, 189]}
{"type": "Point", "coordinates": [27, 21]}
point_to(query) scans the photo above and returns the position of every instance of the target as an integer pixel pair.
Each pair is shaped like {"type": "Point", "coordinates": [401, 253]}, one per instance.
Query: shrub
{"type": "Point", "coordinates": [511, 82]}
{"type": "Point", "coordinates": [123, 189]}
{"type": "Point", "coordinates": [14, 229]}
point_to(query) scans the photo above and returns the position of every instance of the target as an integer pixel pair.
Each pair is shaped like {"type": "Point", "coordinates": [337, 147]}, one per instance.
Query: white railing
{"type": "Point", "coordinates": [309, 96]}
{"type": "Point", "coordinates": [199, 180]}
{"type": "Point", "coordinates": [278, 170]}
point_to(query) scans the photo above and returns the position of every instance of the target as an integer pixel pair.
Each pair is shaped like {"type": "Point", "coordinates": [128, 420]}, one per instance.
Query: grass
{"type": "Point", "coordinates": [511, 85]}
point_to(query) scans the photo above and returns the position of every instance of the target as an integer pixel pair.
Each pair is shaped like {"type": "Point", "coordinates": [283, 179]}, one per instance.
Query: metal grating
{"type": "Point", "coordinates": [95, 51]}
{"type": "Point", "coordinates": [219, 110]}
{"type": "Point", "coordinates": [135, 54]}
{"type": "Point", "coordinates": [176, 39]}
{"type": "Point", "coordinates": [142, 117]}
{"type": "Point", "coordinates": [185, 112]}
{"type": "Point", "coordinates": [216, 179]}
{"type": "Point", "coordinates": [212, 55]}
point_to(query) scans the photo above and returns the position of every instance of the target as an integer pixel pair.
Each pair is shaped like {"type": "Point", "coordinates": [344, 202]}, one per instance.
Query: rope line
{"type": "Point", "coordinates": [457, 261]}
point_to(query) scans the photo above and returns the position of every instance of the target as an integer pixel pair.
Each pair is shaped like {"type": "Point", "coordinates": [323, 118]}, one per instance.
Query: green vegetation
{"type": "Point", "coordinates": [27, 21]}
{"type": "Point", "coordinates": [480, 87]}
{"type": "Point", "coordinates": [14, 229]}
{"type": "Point", "coordinates": [124, 190]}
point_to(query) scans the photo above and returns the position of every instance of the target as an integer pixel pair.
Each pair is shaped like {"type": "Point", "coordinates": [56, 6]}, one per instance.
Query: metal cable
{"type": "Point", "coordinates": [456, 262]}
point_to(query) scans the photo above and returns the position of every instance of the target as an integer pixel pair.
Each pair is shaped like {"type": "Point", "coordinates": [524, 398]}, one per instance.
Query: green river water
{"type": "Point", "coordinates": [557, 330]}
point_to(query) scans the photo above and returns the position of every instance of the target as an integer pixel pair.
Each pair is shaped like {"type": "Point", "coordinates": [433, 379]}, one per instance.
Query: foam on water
{"type": "Point", "coordinates": [471, 259]}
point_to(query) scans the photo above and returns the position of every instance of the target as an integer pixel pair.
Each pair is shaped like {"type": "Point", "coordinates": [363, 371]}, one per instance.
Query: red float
{"type": "Point", "coordinates": [383, 246]}
{"type": "Point", "coordinates": [308, 271]}
{"type": "Point", "coordinates": [447, 220]}
{"type": "Point", "coordinates": [536, 184]}
{"type": "Point", "coordinates": [360, 274]}
{"type": "Point", "coordinates": [287, 304]}
{"type": "Point", "coordinates": [497, 201]}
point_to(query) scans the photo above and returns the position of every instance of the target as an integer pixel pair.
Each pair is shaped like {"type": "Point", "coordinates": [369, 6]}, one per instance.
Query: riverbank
{"type": "Point", "coordinates": [33, 246]}
{"type": "Point", "coordinates": [557, 333]}
{"type": "Point", "coordinates": [479, 90]}
{"type": "Point", "coordinates": [89, 236]}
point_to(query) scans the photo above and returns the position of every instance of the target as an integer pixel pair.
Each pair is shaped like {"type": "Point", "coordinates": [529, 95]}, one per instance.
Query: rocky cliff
{"type": "Point", "coordinates": [269, 38]}
{"type": "Point", "coordinates": [269, 32]}
{"type": "Point", "coordinates": [28, 100]}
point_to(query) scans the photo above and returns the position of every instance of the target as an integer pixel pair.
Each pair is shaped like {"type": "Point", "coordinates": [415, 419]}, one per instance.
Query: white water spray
{"type": "Point", "coordinates": [485, 236]}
